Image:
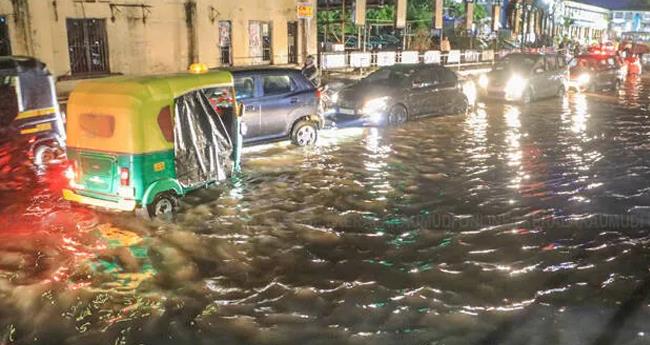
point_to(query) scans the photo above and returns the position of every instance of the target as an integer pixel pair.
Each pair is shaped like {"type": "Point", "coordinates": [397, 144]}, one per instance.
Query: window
{"type": "Point", "coordinates": [276, 85]}
{"type": "Point", "coordinates": [36, 91]}
{"type": "Point", "coordinates": [97, 125]}
{"type": "Point", "coordinates": [8, 99]}
{"type": "Point", "coordinates": [292, 40]}
{"type": "Point", "coordinates": [618, 15]}
{"type": "Point", "coordinates": [165, 124]}
{"type": "Point", "coordinates": [446, 76]}
{"type": "Point", "coordinates": [259, 41]}
{"type": "Point", "coordinates": [225, 43]}
{"type": "Point", "coordinates": [88, 46]}
{"type": "Point", "coordinates": [5, 43]}
{"type": "Point", "coordinates": [245, 87]}
{"type": "Point", "coordinates": [629, 15]}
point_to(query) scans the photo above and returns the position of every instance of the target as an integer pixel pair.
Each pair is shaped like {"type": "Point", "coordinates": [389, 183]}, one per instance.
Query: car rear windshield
{"type": "Point", "coordinates": [516, 61]}
{"type": "Point", "coordinates": [96, 125]}
{"type": "Point", "coordinates": [9, 100]}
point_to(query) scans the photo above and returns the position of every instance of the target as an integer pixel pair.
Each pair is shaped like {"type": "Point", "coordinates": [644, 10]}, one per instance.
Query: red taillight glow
{"type": "Point", "coordinates": [317, 93]}
{"type": "Point", "coordinates": [124, 176]}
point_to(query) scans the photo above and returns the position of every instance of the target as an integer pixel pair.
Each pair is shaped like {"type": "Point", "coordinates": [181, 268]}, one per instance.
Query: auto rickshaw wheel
{"type": "Point", "coordinates": [164, 204]}
{"type": "Point", "coordinates": [44, 154]}
{"type": "Point", "coordinates": [304, 133]}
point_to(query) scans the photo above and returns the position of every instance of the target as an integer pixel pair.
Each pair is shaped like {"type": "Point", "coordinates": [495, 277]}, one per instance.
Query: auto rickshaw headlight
{"type": "Point", "coordinates": [584, 79]}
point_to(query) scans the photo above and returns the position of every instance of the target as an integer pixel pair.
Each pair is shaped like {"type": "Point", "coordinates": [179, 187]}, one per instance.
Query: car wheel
{"type": "Point", "coordinates": [44, 154]}
{"type": "Point", "coordinates": [304, 133]}
{"type": "Point", "coordinates": [397, 116]}
{"type": "Point", "coordinates": [163, 205]}
{"type": "Point", "coordinates": [527, 97]}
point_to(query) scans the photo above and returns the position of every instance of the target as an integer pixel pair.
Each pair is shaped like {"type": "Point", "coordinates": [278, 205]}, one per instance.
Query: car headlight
{"type": "Point", "coordinates": [335, 98]}
{"type": "Point", "coordinates": [516, 85]}
{"type": "Point", "coordinates": [483, 81]}
{"type": "Point", "coordinates": [243, 129]}
{"type": "Point", "coordinates": [584, 79]}
{"type": "Point", "coordinates": [469, 89]}
{"type": "Point", "coordinates": [375, 106]}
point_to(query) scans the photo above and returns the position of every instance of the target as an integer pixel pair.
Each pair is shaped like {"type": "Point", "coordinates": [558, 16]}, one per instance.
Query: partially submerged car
{"type": "Point", "coordinates": [142, 143]}
{"type": "Point", "coordinates": [594, 72]}
{"type": "Point", "coordinates": [280, 104]}
{"type": "Point", "coordinates": [393, 95]}
{"type": "Point", "coordinates": [30, 114]}
{"type": "Point", "coordinates": [525, 77]}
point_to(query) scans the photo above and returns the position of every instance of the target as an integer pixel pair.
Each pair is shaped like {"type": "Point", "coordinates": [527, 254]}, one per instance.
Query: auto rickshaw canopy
{"type": "Point", "coordinates": [126, 114]}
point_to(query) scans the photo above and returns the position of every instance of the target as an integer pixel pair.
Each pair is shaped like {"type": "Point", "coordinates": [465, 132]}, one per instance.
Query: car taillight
{"type": "Point", "coordinates": [124, 176]}
{"type": "Point", "coordinates": [317, 93]}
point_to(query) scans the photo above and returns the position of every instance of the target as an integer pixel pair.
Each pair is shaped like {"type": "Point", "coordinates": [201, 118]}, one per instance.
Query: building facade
{"type": "Point", "coordinates": [582, 22]}
{"type": "Point", "coordinates": [630, 21]}
{"type": "Point", "coordinates": [82, 38]}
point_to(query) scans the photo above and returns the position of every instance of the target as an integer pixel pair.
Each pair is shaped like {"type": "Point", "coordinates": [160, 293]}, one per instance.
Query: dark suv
{"type": "Point", "coordinates": [279, 104]}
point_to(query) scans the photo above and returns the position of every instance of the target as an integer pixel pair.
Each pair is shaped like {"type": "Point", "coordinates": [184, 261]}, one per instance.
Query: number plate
{"type": "Point", "coordinates": [346, 111]}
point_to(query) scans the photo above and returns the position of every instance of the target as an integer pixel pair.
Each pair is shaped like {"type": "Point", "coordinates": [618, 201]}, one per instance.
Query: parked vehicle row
{"type": "Point", "coordinates": [142, 143]}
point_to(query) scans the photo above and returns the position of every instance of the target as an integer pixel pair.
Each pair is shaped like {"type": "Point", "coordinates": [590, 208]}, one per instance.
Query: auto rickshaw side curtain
{"type": "Point", "coordinates": [202, 151]}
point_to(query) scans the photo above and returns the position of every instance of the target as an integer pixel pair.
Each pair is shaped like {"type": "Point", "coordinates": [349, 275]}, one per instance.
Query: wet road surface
{"type": "Point", "coordinates": [509, 225]}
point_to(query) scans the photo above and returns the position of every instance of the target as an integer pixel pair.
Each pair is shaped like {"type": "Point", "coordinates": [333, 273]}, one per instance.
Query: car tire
{"type": "Point", "coordinates": [527, 96]}
{"type": "Point", "coordinates": [43, 155]}
{"type": "Point", "coordinates": [163, 205]}
{"type": "Point", "coordinates": [304, 133]}
{"type": "Point", "coordinates": [397, 116]}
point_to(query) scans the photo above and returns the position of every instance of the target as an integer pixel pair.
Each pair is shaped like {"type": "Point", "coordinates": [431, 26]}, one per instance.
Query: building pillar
{"type": "Point", "coordinates": [496, 16]}
{"type": "Point", "coordinates": [516, 28]}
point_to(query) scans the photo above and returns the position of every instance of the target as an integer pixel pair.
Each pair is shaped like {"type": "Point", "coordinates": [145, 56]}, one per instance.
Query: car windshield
{"type": "Point", "coordinates": [389, 74]}
{"type": "Point", "coordinates": [583, 62]}
{"type": "Point", "coordinates": [516, 61]}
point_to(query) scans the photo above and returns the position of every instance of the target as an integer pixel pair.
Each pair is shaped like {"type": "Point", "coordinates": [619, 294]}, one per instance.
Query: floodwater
{"type": "Point", "coordinates": [509, 225]}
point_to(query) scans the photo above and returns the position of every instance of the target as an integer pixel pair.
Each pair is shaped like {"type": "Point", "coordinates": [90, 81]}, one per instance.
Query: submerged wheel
{"type": "Point", "coordinates": [163, 205]}
{"type": "Point", "coordinates": [397, 116]}
{"type": "Point", "coordinates": [304, 133]}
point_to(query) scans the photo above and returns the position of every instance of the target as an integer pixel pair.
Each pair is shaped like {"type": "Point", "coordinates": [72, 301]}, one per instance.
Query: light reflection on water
{"type": "Point", "coordinates": [504, 226]}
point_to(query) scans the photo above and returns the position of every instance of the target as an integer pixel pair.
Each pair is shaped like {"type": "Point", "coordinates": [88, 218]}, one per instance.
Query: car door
{"type": "Point", "coordinates": [278, 101]}
{"type": "Point", "coordinates": [421, 96]}
{"type": "Point", "coordinates": [247, 92]}
{"type": "Point", "coordinates": [538, 77]}
{"type": "Point", "coordinates": [447, 91]}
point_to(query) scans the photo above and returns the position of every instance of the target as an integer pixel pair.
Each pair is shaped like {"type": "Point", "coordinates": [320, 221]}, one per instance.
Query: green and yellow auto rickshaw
{"type": "Point", "coordinates": [29, 111]}
{"type": "Point", "coordinates": [141, 143]}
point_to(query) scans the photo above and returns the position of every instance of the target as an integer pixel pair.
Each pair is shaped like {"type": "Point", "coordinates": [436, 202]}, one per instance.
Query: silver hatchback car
{"type": "Point", "coordinates": [525, 77]}
{"type": "Point", "coordinates": [280, 104]}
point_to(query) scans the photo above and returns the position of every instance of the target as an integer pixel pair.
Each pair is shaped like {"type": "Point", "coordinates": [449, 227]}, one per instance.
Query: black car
{"type": "Point", "coordinates": [393, 95]}
{"type": "Point", "coordinates": [594, 72]}
{"type": "Point", "coordinates": [280, 103]}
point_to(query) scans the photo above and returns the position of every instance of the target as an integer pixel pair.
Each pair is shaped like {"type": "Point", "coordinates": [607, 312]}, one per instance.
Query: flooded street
{"type": "Point", "coordinates": [510, 225]}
